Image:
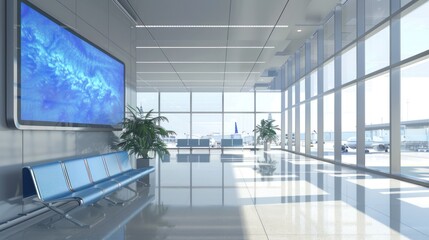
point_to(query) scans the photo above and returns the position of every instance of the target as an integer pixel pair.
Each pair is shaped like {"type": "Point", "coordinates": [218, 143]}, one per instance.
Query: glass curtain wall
{"type": "Point", "coordinates": [367, 69]}
{"type": "Point", "coordinates": [148, 101]}
{"type": "Point", "coordinates": [313, 128]}
{"type": "Point", "coordinates": [328, 126]}
{"type": "Point", "coordinates": [348, 125]}
{"type": "Point", "coordinates": [268, 106]}
{"type": "Point", "coordinates": [207, 116]}
{"type": "Point", "coordinates": [176, 107]}
{"type": "Point", "coordinates": [377, 123]}
{"type": "Point", "coordinates": [214, 115]}
{"type": "Point", "coordinates": [375, 60]}
{"type": "Point", "coordinates": [414, 82]}
{"type": "Point", "coordinates": [239, 120]}
{"type": "Point", "coordinates": [415, 119]}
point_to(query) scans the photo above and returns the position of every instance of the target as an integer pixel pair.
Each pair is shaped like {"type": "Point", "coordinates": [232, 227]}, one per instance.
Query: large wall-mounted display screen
{"type": "Point", "coordinates": [63, 80]}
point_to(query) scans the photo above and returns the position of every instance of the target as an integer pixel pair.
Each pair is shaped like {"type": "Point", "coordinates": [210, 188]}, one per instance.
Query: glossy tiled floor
{"type": "Point", "coordinates": [240, 195]}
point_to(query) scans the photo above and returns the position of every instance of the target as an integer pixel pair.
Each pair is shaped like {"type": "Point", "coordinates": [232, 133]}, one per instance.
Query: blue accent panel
{"type": "Point", "coordinates": [28, 188]}
{"type": "Point", "coordinates": [112, 164]}
{"type": "Point", "coordinates": [77, 174]}
{"type": "Point", "coordinates": [51, 181]}
{"type": "Point", "coordinates": [226, 142]}
{"type": "Point", "coordinates": [193, 142]}
{"type": "Point", "coordinates": [204, 142]}
{"type": "Point", "coordinates": [89, 195]}
{"type": "Point", "coordinates": [124, 180]}
{"type": "Point", "coordinates": [124, 161]}
{"type": "Point", "coordinates": [182, 142]}
{"type": "Point", "coordinates": [140, 172]}
{"type": "Point", "coordinates": [237, 142]}
{"type": "Point", "coordinates": [108, 186]}
{"type": "Point", "coordinates": [182, 157]}
{"type": "Point", "coordinates": [166, 158]}
{"type": "Point", "coordinates": [232, 142]}
{"type": "Point", "coordinates": [97, 169]}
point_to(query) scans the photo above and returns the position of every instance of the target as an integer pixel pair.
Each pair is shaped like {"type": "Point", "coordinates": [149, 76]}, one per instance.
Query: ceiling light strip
{"type": "Point", "coordinates": [203, 62]}
{"type": "Point", "coordinates": [206, 47]}
{"type": "Point", "coordinates": [212, 26]}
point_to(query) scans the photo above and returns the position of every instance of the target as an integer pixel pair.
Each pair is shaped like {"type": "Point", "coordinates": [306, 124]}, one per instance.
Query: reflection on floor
{"type": "Point", "coordinates": [243, 195]}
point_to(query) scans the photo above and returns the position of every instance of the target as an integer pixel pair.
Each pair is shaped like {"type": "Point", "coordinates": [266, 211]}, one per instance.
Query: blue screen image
{"type": "Point", "coordinates": [65, 79]}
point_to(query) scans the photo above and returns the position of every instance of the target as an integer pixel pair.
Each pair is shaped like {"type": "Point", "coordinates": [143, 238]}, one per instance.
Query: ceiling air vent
{"type": "Point", "coordinates": [269, 73]}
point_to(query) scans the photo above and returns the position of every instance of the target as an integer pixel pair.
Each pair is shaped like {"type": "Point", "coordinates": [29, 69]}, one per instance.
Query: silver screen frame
{"type": "Point", "coordinates": [12, 75]}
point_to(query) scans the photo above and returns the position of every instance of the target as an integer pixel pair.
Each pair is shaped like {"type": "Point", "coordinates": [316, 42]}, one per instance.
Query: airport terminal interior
{"type": "Point", "coordinates": [344, 82]}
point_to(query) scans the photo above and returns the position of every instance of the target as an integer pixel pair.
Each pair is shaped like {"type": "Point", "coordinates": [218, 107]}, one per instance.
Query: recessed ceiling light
{"type": "Point", "coordinates": [207, 47]}
{"type": "Point", "coordinates": [299, 30]}
{"type": "Point", "coordinates": [198, 62]}
{"type": "Point", "coordinates": [211, 26]}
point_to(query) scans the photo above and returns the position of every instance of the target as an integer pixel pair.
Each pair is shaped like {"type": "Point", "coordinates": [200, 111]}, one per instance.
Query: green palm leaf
{"type": "Point", "coordinates": [142, 134]}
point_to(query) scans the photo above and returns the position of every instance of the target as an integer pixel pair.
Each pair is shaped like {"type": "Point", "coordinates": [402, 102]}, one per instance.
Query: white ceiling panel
{"type": "Point", "coordinates": [242, 68]}
{"type": "Point", "coordinates": [161, 12]}
{"type": "Point", "coordinates": [143, 37]}
{"type": "Point", "coordinates": [213, 35]}
{"type": "Point", "coordinates": [249, 36]}
{"type": "Point", "coordinates": [157, 76]}
{"type": "Point", "coordinates": [201, 75]}
{"type": "Point", "coordinates": [244, 54]}
{"type": "Point", "coordinates": [234, 83]}
{"type": "Point", "coordinates": [153, 67]}
{"type": "Point", "coordinates": [165, 89]}
{"type": "Point", "coordinates": [244, 76]}
{"type": "Point", "coordinates": [195, 54]}
{"type": "Point", "coordinates": [253, 12]}
{"type": "Point", "coordinates": [208, 89]}
{"type": "Point", "coordinates": [150, 55]}
{"type": "Point", "coordinates": [188, 61]}
{"type": "Point", "coordinates": [203, 67]}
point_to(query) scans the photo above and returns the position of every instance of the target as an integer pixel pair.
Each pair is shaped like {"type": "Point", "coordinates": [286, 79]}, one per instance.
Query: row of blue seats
{"type": "Point", "coordinates": [85, 180]}
{"type": "Point", "coordinates": [206, 143]}
{"type": "Point", "coordinates": [232, 142]}
{"type": "Point", "coordinates": [193, 143]}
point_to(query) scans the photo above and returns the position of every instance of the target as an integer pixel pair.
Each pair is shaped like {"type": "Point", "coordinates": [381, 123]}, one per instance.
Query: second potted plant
{"type": "Point", "coordinates": [267, 132]}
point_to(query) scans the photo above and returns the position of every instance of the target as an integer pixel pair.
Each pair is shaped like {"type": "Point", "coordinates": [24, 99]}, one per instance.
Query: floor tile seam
{"type": "Point", "coordinates": [254, 205]}
{"type": "Point", "coordinates": [374, 209]}
{"type": "Point", "coordinates": [379, 212]}
{"type": "Point", "coordinates": [261, 221]}
{"type": "Point", "coordinates": [400, 222]}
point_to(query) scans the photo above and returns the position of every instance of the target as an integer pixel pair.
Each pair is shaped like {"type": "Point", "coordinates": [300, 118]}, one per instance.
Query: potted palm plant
{"type": "Point", "coordinates": [267, 132]}
{"type": "Point", "coordinates": [142, 135]}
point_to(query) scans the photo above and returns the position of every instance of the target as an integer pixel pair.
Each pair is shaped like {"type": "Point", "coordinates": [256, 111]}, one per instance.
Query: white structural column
{"type": "Point", "coordinates": [190, 113]}
{"type": "Point", "coordinates": [223, 115]}
{"type": "Point", "coordinates": [289, 116]}
{"type": "Point", "coordinates": [297, 106]}
{"type": "Point", "coordinates": [395, 91]}
{"type": "Point", "coordinates": [360, 101]}
{"type": "Point", "coordinates": [307, 96]}
{"type": "Point", "coordinates": [337, 79]}
{"type": "Point", "coordinates": [283, 120]}
{"type": "Point", "coordinates": [320, 79]}
{"type": "Point", "coordinates": [254, 120]}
